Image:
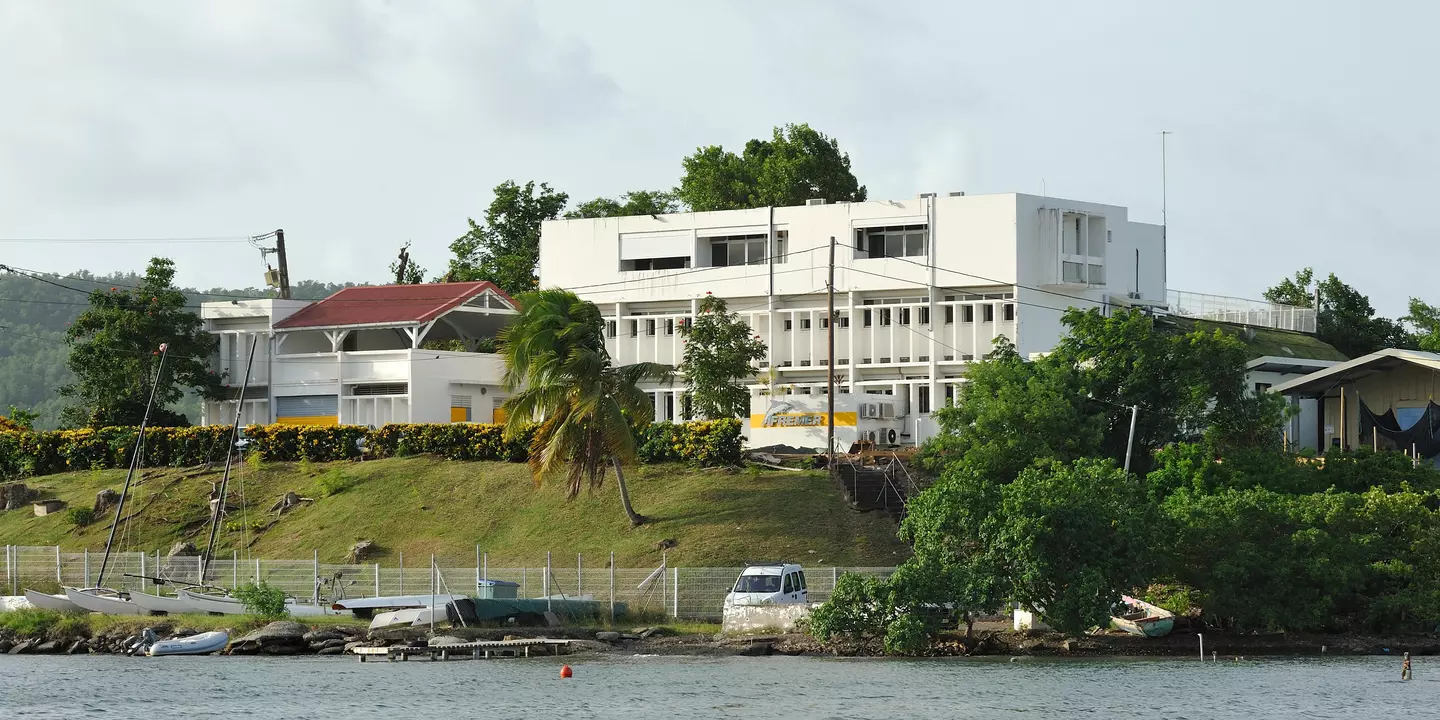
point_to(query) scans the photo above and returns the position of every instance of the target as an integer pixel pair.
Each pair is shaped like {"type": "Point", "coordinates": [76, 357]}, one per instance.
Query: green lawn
{"type": "Point", "coordinates": [422, 505]}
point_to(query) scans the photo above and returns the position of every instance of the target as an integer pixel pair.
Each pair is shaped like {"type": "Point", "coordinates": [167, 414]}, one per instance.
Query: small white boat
{"type": "Point", "coordinates": [1141, 618]}
{"type": "Point", "coordinates": [103, 600]}
{"type": "Point", "coordinates": [226, 605]}
{"type": "Point", "coordinates": [46, 601]}
{"type": "Point", "coordinates": [403, 617]}
{"type": "Point", "coordinates": [393, 602]}
{"type": "Point", "coordinates": [161, 604]}
{"type": "Point", "coordinates": [202, 644]}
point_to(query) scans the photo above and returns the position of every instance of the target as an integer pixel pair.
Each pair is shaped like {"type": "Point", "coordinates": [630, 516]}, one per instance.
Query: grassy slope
{"type": "Point", "coordinates": [421, 506]}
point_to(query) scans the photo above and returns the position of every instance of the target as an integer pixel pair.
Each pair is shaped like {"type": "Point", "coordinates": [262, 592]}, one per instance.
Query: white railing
{"type": "Point", "coordinates": [1239, 311]}
{"type": "Point", "coordinates": [681, 592]}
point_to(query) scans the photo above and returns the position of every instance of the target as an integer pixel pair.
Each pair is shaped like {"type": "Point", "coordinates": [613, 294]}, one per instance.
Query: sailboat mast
{"type": "Point", "coordinates": [229, 455]}
{"type": "Point", "coordinates": [134, 463]}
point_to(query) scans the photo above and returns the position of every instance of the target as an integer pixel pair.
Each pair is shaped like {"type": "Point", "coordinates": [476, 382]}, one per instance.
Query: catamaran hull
{"type": "Point", "coordinates": [103, 603]}
{"type": "Point", "coordinates": [161, 604]}
{"type": "Point", "coordinates": [202, 644]}
{"type": "Point", "coordinates": [46, 601]}
{"type": "Point", "coordinates": [202, 602]}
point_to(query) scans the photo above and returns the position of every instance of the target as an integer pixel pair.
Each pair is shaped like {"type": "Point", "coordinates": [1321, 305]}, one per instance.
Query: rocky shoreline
{"type": "Point", "coordinates": [288, 638]}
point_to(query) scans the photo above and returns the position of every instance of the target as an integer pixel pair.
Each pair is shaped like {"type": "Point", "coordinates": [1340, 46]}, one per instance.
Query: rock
{"type": "Point", "coordinates": [647, 632]}
{"type": "Point", "coordinates": [5, 646]}
{"type": "Point", "coordinates": [629, 636]}
{"type": "Point", "coordinates": [607, 636]}
{"type": "Point", "coordinates": [755, 650]}
{"type": "Point", "coordinates": [331, 651]}
{"type": "Point", "coordinates": [16, 496]}
{"type": "Point", "coordinates": [290, 501]}
{"type": "Point", "coordinates": [48, 646]}
{"type": "Point", "coordinates": [1069, 645]}
{"type": "Point", "coordinates": [667, 544]}
{"type": "Point", "coordinates": [105, 499]}
{"type": "Point", "coordinates": [78, 647]}
{"type": "Point", "coordinates": [317, 636]}
{"type": "Point", "coordinates": [444, 640]}
{"type": "Point", "coordinates": [327, 644]}
{"type": "Point", "coordinates": [278, 638]}
{"type": "Point", "coordinates": [182, 548]}
{"type": "Point", "coordinates": [398, 634]}
{"type": "Point", "coordinates": [360, 551]}
{"type": "Point", "coordinates": [21, 647]}
{"type": "Point", "coordinates": [354, 644]}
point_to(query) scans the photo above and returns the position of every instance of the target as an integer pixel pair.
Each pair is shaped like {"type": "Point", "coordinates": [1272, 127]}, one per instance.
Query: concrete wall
{"type": "Point", "coordinates": [749, 620]}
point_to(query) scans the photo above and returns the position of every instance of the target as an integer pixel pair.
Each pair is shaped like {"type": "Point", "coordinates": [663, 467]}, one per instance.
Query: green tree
{"type": "Point", "coordinates": [1426, 320]}
{"type": "Point", "coordinates": [1345, 318]}
{"type": "Point", "coordinates": [639, 202]}
{"type": "Point", "coordinates": [405, 270]}
{"type": "Point", "coordinates": [796, 164]}
{"type": "Point", "coordinates": [1073, 538]}
{"type": "Point", "coordinates": [563, 378]}
{"type": "Point", "coordinates": [719, 355]}
{"type": "Point", "coordinates": [114, 345]}
{"type": "Point", "coordinates": [22, 418]}
{"type": "Point", "coordinates": [506, 249]}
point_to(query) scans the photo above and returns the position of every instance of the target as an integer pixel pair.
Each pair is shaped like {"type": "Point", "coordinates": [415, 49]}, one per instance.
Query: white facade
{"type": "Point", "coordinates": [923, 287]}
{"type": "Point", "coordinates": [362, 374]}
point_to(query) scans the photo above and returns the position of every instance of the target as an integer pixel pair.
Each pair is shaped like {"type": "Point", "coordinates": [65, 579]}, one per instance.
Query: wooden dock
{"type": "Point", "coordinates": [477, 650]}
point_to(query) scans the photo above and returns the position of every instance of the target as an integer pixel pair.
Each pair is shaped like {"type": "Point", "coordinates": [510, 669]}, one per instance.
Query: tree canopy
{"type": "Point", "coordinates": [1345, 317]}
{"type": "Point", "coordinates": [796, 164]}
{"type": "Point", "coordinates": [114, 346]}
{"type": "Point", "coordinates": [638, 202]}
{"type": "Point", "coordinates": [506, 249]}
{"type": "Point", "coordinates": [719, 355]}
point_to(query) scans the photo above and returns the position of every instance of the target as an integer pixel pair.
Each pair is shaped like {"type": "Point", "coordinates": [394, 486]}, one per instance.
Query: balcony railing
{"type": "Point", "coordinates": [1239, 311]}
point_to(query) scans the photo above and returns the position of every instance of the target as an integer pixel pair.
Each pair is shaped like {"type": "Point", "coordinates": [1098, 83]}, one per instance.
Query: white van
{"type": "Point", "coordinates": [769, 584]}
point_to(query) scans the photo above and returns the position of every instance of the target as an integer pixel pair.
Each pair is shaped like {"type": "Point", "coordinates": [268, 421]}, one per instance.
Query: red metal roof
{"type": "Point", "coordinates": [388, 304]}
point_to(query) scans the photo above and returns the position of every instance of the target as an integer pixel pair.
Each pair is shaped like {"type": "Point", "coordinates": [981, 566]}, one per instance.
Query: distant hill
{"type": "Point", "coordinates": [33, 317]}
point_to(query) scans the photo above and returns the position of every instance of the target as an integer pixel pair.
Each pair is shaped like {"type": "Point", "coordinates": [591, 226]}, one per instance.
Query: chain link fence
{"type": "Point", "coordinates": [679, 592]}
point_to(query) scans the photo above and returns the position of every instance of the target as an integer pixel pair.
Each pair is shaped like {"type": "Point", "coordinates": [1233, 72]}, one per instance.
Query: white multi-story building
{"type": "Point", "coordinates": [359, 357]}
{"type": "Point", "coordinates": [923, 287]}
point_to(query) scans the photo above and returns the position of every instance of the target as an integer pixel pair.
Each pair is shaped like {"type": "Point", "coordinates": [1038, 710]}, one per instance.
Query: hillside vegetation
{"type": "Point", "coordinates": [424, 505]}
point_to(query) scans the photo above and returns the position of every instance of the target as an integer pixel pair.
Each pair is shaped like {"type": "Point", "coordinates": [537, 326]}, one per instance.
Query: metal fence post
{"type": "Point", "coordinates": [485, 566]}
{"type": "Point", "coordinates": [834, 577]}
{"type": "Point", "coordinates": [377, 579]}
{"type": "Point", "coordinates": [402, 572]}
{"type": "Point", "coordinates": [87, 566]}
{"type": "Point", "coordinates": [579, 573]}
{"type": "Point", "coordinates": [234, 569]}
{"type": "Point", "coordinates": [257, 571]}
{"type": "Point", "coordinates": [10, 569]}
{"type": "Point", "coordinates": [477, 566]}
{"type": "Point", "coordinates": [675, 588]}
{"type": "Point", "coordinates": [58, 577]}
{"type": "Point", "coordinates": [612, 587]}
{"type": "Point", "coordinates": [545, 583]}
{"type": "Point", "coordinates": [143, 573]}
{"type": "Point", "coordinates": [315, 575]}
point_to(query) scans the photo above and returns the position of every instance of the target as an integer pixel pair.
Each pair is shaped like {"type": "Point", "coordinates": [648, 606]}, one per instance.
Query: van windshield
{"type": "Point", "coordinates": [758, 584]}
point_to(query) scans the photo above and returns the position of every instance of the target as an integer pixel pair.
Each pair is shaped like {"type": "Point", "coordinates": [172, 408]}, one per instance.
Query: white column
{"type": "Point", "coordinates": [850, 336]}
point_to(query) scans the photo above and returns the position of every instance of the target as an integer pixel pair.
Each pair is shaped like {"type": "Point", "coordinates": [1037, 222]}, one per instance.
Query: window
{"type": "Point", "coordinates": [949, 394]}
{"type": "Point", "coordinates": [904, 316]}
{"type": "Point", "coordinates": [949, 314]}
{"type": "Point", "coordinates": [634, 328]}
{"type": "Point", "coordinates": [789, 583]}
{"type": "Point", "coordinates": [737, 250]}
{"type": "Point", "coordinates": [758, 584]}
{"type": "Point", "coordinates": [923, 401]}
{"type": "Point", "coordinates": [892, 241]}
{"type": "Point", "coordinates": [868, 320]}
{"type": "Point", "coordinates": [650, 328]}
{"type": "Point", "coordinates": [610, 328]}
{"type": "Point", "coordinates": [787, 325]}
{"type": "Point", "coordinates": [781, 238]}
{"type": "Point", "coordinates": [670, 326]}
{"type": "Point", "coordinates": [844, 321]}
{"type": "Point", "coordinates": [1008, 312]}
{"type": "Point", "coordinates": [924, 316]}
{"type": "Point", "coordinates": [660, 263]}
{"type": "Point", "coordinates": [804, 323]}
{"type": "Point", "coordinates": [884, 317]}
{"type": "Point", "coordinates": [967, 313]}
{"type": "Point", "coordinates": [989, 315]}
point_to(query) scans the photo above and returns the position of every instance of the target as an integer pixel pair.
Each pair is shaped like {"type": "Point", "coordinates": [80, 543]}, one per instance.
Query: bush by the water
{"type": "Point", "coordinates": [261, 599]}
{"type": "Point", "coordinates": [36, 623]}
{"type": "Point", "coordinates": [704, 443]}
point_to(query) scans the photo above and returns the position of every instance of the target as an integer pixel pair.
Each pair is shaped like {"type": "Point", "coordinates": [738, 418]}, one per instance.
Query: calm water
{"type": "Point", "coordinates": [749, 688]}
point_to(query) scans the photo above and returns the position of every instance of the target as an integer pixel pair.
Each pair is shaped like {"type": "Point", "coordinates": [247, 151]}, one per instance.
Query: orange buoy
{"type": "Point", "coordinates": [565, 671]}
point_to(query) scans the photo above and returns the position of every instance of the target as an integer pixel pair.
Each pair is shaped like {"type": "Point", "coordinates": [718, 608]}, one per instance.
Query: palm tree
{"type": "Point", "coordinates": [562, 377]}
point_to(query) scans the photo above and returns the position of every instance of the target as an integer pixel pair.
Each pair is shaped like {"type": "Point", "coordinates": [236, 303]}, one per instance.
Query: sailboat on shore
{"type": "Point", "coordinates": [100, 598]}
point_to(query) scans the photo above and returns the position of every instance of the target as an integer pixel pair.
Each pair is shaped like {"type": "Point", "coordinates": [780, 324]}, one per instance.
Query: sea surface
{"type": "Point", "coordinates": [748, 688]}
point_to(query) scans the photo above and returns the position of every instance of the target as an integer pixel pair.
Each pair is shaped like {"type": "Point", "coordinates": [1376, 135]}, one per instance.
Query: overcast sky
{"type": "Point", "coordinates": [1305, 133]}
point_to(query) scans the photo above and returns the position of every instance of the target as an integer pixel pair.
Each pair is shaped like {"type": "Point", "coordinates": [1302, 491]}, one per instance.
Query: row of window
{"type": "Point", "coordinates": [892, 241]}
{"type": "Point", "coordinates": [734, 250]}
{"type": "Point", "coordinates": [883, 316]}
{"type": "Point", "coordinates": [667, 326]}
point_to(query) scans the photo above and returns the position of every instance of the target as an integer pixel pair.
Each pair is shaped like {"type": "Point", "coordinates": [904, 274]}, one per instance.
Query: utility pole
{"type": "Point", "coordinates": [830, 367]}
{"type": "Point", "coordinates": [1164, 208]}
{"type": "Point", "coordinates": [1130, 443]}
{"type": "Point", "coordinates": [284, 268]}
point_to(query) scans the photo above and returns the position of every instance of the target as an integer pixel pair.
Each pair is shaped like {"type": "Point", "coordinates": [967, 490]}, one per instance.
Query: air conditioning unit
{"type": "Point", "coordinates": [887, 411]}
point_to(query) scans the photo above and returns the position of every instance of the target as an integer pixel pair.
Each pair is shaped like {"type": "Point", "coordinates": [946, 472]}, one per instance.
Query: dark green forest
{"type": "Point", "coordinates": [33, 317]}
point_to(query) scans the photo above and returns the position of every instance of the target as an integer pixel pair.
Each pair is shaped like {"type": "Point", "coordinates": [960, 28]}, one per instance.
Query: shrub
{"type": "Point", "coordinates": [859, 606]}
{"type": "Point", "coordinates": [29, 622]}
{"type": "Point", "coordinates": [334, 482]}
{"type": "Point", "coordinates": [80, 516]}
{"type": "Point", "coordinates": [906, 635]}
{"type": "Point", "coordinates": [264, 600]}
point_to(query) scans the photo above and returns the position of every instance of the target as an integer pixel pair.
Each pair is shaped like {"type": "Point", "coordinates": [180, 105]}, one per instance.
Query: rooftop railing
{"type": "Point", "coordinates": [1239, 311]}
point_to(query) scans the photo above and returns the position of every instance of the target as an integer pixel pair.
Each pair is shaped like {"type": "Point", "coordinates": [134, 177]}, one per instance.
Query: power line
{"type": "Point", "coordinates": [132, 241]}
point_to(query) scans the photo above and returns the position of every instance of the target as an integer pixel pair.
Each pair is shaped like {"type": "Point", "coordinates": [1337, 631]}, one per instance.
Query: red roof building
{"type": "Point", "coordinates": [395, 305]}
